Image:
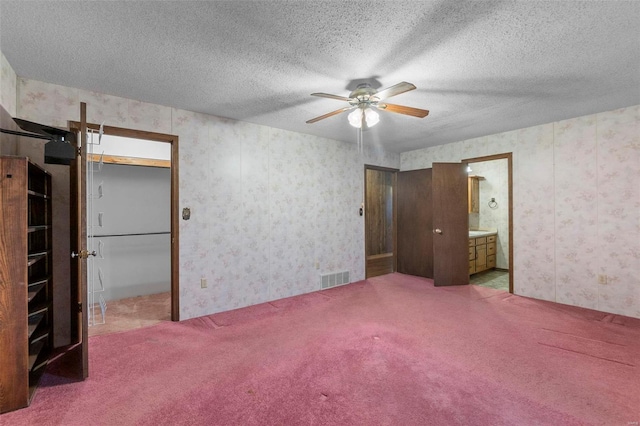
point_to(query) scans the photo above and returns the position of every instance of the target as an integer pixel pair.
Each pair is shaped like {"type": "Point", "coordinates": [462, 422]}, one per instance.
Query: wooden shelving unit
{"type": "Point", "coordinates": [26, 287]}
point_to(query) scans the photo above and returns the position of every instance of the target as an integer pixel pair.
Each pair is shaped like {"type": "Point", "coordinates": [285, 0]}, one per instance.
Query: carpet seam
{"type": "Point", "coordinates": [586, 354]}
{"type": "Point", "coordinates": [580, 337]}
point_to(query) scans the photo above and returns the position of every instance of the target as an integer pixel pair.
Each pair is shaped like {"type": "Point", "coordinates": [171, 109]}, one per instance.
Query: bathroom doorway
{"type": "Point", "coordinates": [491, 211]}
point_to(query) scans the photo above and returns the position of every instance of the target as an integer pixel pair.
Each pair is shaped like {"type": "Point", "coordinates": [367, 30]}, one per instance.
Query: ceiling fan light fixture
{"type": "Point", "coordinates": [371, 118]}
{"type": "Point", "coordinates": [355, 118]}
{"type": "Point", "coordinates": [364, 100]}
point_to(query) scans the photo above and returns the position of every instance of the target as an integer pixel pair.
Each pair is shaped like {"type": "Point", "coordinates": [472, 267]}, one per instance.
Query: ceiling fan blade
{"type": "Point", "coordinates": [401, 109]}
{"type": "Point", "coordinates": [330, 114]}
{"type": "Point", "coordinates": [394, 90]}
{"type": "Point", "coordinates": [330, 96]}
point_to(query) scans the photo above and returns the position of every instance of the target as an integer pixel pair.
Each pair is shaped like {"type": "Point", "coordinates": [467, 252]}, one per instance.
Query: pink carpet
{"type": "Point", "coordinates": [393, 350]}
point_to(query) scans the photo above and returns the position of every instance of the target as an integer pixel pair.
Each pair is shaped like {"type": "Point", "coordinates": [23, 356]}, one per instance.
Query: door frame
{"type": "Point", "coordinates": [175, 245]}
{"type": "Point", "coordinates": [395, 213]}
{"type": "Point", "coordinates": [509, 157]}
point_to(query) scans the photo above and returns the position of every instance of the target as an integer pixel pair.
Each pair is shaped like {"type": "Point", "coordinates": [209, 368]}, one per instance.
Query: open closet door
{"type": "Point", "coordinates": [450, 224]}
{"type": "Point", "coordinates": [79, 252]}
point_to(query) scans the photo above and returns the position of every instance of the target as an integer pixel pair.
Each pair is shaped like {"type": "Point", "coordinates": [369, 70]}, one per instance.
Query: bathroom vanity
{"type": "Point", "coordinates": [482, 251]}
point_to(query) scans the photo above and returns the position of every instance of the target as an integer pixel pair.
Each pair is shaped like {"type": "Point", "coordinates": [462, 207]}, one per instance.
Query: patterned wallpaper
{"type": "Point", "coordinates": [8, 79]}
{"type": "Point", "coordinates": [495, 185]}
{"type": "Point", "coordinates": [266, 204]}
{"type": "Point", "coordinates": [576, 206]}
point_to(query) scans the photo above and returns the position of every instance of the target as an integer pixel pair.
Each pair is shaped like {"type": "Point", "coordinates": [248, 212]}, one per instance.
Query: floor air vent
{"type": "Point", "coordinates": [334, 279]}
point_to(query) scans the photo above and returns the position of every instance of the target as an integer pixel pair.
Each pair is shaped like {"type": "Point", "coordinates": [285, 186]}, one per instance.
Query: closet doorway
{"type": "Point", "coordinates": [491, 208]}
{"type": "Point", "coordinates": [130, 209]}
{"type": "Point", "coordinates": [380, 220]}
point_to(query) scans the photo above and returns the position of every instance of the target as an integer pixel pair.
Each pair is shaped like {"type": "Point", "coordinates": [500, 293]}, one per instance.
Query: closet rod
{"type": "Point", "coordinates": [131, 235]}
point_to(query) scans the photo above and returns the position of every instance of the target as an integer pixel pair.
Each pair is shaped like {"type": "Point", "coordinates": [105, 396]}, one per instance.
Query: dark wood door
{"type": "Point", "coordinates": [450, 224]}
{"type": "Point", "coordinates": [379, 221]}
{"type": "Point", "coordinates": [78, 243]}
{"type": "Point", "coordinates": [415, 223]}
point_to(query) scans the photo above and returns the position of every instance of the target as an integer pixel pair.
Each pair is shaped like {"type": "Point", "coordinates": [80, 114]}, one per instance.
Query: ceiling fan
{"type": "Point", "coordinates": [365, 99]}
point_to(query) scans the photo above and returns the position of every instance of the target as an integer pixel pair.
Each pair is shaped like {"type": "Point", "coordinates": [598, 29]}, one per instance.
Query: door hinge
{"type": "Point", "coordinates": [79, 306]}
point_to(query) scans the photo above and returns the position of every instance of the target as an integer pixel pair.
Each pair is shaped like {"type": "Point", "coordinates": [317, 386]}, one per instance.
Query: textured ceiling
{"type": "Point", "coordinates": [479, 67]}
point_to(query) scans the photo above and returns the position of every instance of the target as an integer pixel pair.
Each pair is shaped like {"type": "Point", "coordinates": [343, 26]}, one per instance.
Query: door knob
{"type": "Point", "coordinates": [83, 254]}
{"type": "Point", "coordinates": [437, 231]}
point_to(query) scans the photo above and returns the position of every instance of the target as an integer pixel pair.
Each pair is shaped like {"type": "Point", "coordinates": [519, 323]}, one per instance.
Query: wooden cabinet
{"type": "Point", "coordinates": [473, 193]}
{"type": "Point", "coordinates": [26, 317]}
{"type": "Point", "coordinates": [482, 254]}
{"type": "Point", "coordinates": [472, 257]}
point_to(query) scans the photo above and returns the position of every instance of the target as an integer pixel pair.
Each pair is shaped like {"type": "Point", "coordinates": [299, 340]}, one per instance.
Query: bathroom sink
{"type": "Point", "coordinates": [473, 234]}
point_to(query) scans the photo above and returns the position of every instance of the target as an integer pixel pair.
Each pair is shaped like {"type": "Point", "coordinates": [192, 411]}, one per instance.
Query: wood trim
{"type": "Point", "coordinates": [395, 220]}
{"type": "Point", "coordinates": [175, 216]}
{"type": "Point", "coordinates": [74, 272]}
{"type": "Point", "coordinates": [131, 161]}
{"type": "Point", "coordinates": [509, 157]}
{"type": "Point", "coordinates": [487, 158]}
{"type": "Point", "coordinates": [129, 133]}
{"type": "Point", "coordinates": [82, 223]}
{"type": "Point", "coordinates": [384, 169]}
{"type": "Point", "coordinates": [510, 179]}
{"type": "Point", "coordinates": [364, 218]}
{"type": "Point", "coordinates": [379, 256]}
{"type": "Point", "coordinates": [175, 227]}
